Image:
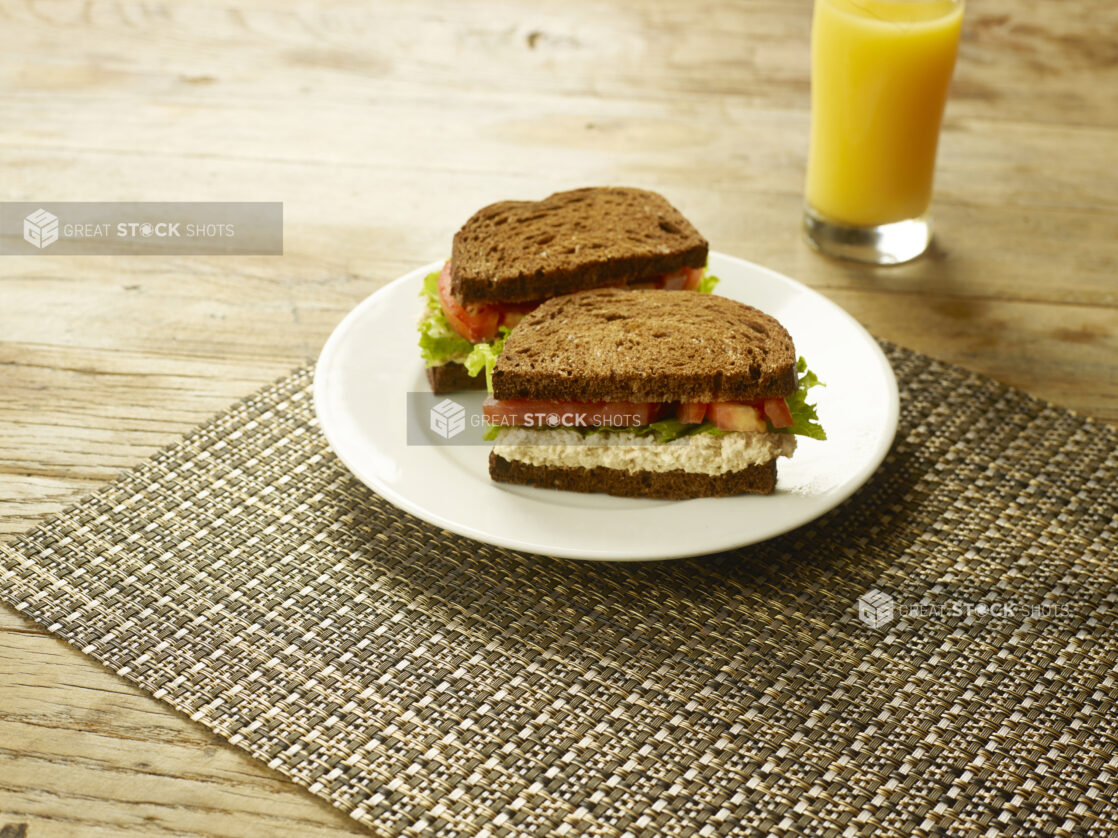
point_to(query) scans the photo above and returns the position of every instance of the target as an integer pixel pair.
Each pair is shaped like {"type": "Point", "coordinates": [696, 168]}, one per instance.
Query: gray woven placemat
{"type": "Point", "coordinates": [427, 684]}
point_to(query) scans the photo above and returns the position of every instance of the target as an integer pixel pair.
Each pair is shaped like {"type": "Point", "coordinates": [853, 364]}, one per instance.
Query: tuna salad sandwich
{"type": "Point", "coordinates": [656, 393]}
{"type": "Point", "coordinates": [511, 256]}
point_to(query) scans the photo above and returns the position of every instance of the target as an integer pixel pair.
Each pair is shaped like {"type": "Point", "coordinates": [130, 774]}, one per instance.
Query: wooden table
{"type": "Point", "coordinates": [382, 126]}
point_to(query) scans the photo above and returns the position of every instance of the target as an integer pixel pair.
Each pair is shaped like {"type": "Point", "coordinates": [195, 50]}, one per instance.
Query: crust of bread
{"type": "Point", "coordinates": [646, 346]}
{"type": "Point", "coordinates": [451, 377]}
{"type": "Point", "coordinates": [671, 485]}
{"type": "Point", "coordinates": [595, 237]}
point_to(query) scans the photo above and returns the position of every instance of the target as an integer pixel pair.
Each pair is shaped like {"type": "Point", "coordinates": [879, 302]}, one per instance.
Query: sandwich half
{"type": "Point", "coordinates": [511, 256]}
{"type": "Point", "coordinates": [663, 394]}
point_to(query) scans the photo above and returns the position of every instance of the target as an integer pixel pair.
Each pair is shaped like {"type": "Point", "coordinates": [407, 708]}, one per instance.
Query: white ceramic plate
{"type": "Point", "coordinates": [371, 362]}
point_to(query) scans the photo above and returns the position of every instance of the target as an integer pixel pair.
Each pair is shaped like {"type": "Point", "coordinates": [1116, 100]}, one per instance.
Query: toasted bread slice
{"type": "Point", "coordinates": [672, 485]}
{"type": "Point", "coordinates": [452, 376]}
{"type": "Point", "coordinates": [646, 346]}
{"type": "Point", "coordinates": [521, 251]}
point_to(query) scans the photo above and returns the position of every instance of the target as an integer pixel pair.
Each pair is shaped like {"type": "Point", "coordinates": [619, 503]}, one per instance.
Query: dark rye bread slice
{"type": "Point", "coordinates": [646, 346]}
{"type": "Point", "coordinates": [446, 378]}
{"type": "Point", "coordinates": [519, 251]}
{"type": "Point", "coordinates": [672, 485]}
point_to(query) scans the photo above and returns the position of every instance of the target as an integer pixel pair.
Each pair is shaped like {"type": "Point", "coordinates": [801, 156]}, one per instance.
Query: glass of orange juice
{"type": "Point", "coordinates": [880, 70]}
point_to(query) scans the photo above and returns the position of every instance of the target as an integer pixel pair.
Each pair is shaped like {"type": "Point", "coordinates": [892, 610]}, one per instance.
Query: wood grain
{"type": "Point", "coordinates": [382, 126]}
{"type": "Point", "coordinates": [83, 753]}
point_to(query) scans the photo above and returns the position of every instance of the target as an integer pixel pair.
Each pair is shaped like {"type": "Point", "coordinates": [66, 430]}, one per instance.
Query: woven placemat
{"type": "Point", "coordinates": [427, 684]}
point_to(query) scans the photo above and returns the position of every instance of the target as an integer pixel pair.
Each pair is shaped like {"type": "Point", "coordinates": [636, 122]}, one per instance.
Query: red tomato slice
{"type": "Point", "coordinates": [629, 414]}
{"type": "Point", "coordinates": [540, 413]}
{"type": "Point", "coordinates": [694, 277]}
{"type": "Point", "coordinates": [691, 413]}
{"type": "Point", "coordinates": [778, 413]}
{"type": "Point", "coordinates": [475, 323]}
{"type": "Point", "coordinates": [735, 416]}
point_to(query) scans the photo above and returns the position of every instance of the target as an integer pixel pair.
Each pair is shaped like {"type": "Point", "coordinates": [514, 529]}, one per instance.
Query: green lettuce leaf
{"type": "Point", "coordinates": [484, 356]}
{"type": "Point", "coordinates": [665, 430]}
{"type": "Point", "coordinates": [707, 283]}
{"type": "Point", "coordinates": [805, 421]}
{"type": "Point", "coordinates": [438, 342]}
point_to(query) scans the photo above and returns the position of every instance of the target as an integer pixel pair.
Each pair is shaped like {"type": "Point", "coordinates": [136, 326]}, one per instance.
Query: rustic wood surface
{"type": "Point", "coordinates": [382, 126]}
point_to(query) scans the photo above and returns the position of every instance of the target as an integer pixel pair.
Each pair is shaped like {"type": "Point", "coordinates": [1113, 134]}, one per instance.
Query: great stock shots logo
{"type": "Point", "coordinates": [878, 609]}
{"type": "Point", "coordinates": [448, 418]}
{"type": "Point", "coordinates": [875, 608]}
{"type": "Point", "coordinates": [40, 228]}
{"type": "Point", "coordinates": [142, 228]}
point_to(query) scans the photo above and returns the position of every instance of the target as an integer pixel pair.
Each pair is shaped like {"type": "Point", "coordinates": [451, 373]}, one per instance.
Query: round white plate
{"type": "Point", "coordinates": [371, 362]}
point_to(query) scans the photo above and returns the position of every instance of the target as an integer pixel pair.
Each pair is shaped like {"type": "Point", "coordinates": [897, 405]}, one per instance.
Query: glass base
{"type": "Point", "coordinates": [885, 244]}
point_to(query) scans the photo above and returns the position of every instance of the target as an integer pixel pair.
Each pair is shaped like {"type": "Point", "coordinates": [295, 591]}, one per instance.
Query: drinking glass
{"type": "Point", "coordinates": [880, 70]}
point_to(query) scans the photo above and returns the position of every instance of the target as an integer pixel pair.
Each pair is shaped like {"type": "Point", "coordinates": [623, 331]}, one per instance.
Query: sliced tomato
{"type": "Point", "coordinates": [627, 414]}
{"type": "Point", "coordinates": [540, 413]}
{"type": "Point", "coordinates": [735, 416]}
{"type": "Point", "coordinates": [778, 413]}
{"type": "Point", "coordinates": [476, 323]}
{"type": "Point", "coordinates": [694, 277]}
{"type": "Point", "coordinates": [692, 413]}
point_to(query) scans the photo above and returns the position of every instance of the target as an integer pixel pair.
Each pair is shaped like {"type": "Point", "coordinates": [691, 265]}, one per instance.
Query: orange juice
{"type": "Point", "coordinates": [879, 76]}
